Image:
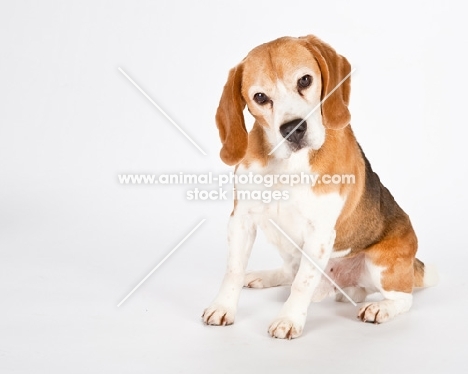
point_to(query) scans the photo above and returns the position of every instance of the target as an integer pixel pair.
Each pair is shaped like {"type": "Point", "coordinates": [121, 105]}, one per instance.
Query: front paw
{"type": "Point", "coordinates": [285, 328]}
{"type": "Point", "coordinates": [218, 316]}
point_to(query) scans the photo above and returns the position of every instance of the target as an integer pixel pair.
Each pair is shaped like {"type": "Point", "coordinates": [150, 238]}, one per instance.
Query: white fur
{"type": "Point", "coordinates": [241, 235]}
{"type": "Point", "coordinates": [339, 254]}
{"type": "Point", "coordinates": [308, 219]}
{"type": "Point", "coordinates": [431, 275]}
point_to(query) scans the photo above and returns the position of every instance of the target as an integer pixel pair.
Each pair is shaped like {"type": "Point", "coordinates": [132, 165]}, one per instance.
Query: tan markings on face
{"type": "Point", "coordinates": [274, 69]}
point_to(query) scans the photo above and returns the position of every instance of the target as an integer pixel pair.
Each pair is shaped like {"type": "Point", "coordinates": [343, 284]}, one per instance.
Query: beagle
{"type": "Point", "coordinates": [355, 233]}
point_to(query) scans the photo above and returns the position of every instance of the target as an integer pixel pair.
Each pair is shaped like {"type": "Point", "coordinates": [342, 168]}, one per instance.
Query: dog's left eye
{"type": "Point", "coordinates": [305, 81]}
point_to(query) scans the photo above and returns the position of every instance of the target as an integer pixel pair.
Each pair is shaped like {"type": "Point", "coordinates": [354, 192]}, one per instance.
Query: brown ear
{"type": "Point", "coordinates": [230, 119]}
{"type": "Point", "coordinates": [334, 68]}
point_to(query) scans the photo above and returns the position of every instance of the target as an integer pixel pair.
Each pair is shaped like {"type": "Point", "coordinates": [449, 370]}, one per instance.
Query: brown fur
{"type": "Point", "coordinates": [418, 273]}
{"type": "Point", "coordinates": [258, 147]}
{"type": "Point", "coordinates": [334, 68]}
{"type": "Point", "coordinates": [230, 119]}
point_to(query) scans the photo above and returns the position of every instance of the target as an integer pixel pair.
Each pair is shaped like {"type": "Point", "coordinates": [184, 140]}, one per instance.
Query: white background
{"type": "Point", "coordinates": [74, 241]}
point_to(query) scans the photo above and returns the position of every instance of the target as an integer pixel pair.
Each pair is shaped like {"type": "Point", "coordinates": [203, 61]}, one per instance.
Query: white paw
{"type": "Point", "coordinates": [285, 328]}
{"type": "Point", "coordinates": [218, 316]}
{"type": "Point", "coordinates": [253, 280]}
{"type": "Point", "coordinates": [267, 278]}
{"type": "Point", "coordinates": [376, 312]}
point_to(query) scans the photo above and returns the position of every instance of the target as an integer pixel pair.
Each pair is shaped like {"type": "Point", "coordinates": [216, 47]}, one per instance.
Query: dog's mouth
{"type": "Point", "coordinates": [289, 148]}
{"type": "Point", "coordinates": [297, 146]}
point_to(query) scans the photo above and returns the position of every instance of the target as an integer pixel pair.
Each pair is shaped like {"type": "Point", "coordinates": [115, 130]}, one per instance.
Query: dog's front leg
{"type": "Point", "coordinates": [241, 235]}
{"type": "Point", "coordinates": [318, 245]}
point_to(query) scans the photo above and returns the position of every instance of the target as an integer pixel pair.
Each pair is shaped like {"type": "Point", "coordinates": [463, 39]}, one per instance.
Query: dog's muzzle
{"type": "Point", "coordinates": [293, 134]}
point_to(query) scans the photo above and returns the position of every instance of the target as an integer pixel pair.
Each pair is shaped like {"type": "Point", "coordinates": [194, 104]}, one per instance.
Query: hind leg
{"type": "Point", "coordinates": [391, 271]}
{"type": "Point", "coordinates": [282, 276]}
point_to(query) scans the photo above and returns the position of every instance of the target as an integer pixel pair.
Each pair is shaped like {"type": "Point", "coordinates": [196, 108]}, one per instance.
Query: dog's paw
{"type": "Point", "coordinates": [267, 278]}
{"type": "Point", "coordinates": [218, 316]}
{"type": "Point", "coordinates": [377, 312]}
{"type": "Point", "coordinates": [253, 280]}
{"type": "Point", "coordinates": [285, 328]}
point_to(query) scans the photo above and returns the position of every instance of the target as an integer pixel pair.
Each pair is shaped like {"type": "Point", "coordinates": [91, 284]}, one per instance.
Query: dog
{"type": "Point", "coordinates": [298, 91]}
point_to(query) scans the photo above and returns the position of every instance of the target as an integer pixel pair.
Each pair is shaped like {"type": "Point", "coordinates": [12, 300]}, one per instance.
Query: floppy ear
{"type": "Point", "coordinates": [230, 119]}
{"type": "Point", "coordinates": [334, 69]}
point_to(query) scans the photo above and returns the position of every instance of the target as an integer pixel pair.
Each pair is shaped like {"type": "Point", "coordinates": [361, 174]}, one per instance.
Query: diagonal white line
{"type": "Point", "coordinates": [312, 111]}
{"type": "Point", "coordinates": [313, 262]}
{"type": "Point", "coordinates": [162, 111]}
{"type": "Point", "coordinates": [162, 261]}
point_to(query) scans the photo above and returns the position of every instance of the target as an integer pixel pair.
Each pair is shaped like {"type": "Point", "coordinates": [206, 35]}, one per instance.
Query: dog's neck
{"type": "Point", "coordinates": [338, 150]}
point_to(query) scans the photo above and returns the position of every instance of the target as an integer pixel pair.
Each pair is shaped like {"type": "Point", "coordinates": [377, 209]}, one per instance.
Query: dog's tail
{"type": "Point", "coordinates": [425, 275]}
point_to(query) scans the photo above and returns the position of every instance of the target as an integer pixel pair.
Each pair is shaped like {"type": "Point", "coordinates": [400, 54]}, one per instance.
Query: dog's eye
{"type": "Point", "coordinates": [260, 98]}
{"type": "Point", "coordinates": [304, 82]}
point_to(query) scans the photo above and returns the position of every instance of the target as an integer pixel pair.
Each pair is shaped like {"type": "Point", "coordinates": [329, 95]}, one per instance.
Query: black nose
{"type": "Point", "coordinates": [294, 136]}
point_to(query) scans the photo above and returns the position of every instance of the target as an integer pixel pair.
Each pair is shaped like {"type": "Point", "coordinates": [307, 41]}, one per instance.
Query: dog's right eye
{"type": "Point", "coordinates": [304, 82]}
{"type": "Point", "coordinates": [260, 98]}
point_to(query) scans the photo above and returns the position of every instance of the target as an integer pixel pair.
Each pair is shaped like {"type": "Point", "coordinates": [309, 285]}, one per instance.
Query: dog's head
{"type": "Point", "coordinates": [281, 83]}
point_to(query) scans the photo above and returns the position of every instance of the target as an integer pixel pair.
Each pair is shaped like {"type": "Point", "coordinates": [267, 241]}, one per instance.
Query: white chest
{"type": "Point", "coordinates": [298, 211]}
